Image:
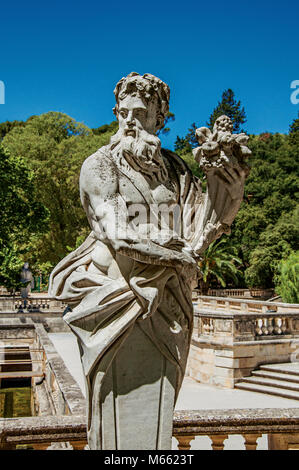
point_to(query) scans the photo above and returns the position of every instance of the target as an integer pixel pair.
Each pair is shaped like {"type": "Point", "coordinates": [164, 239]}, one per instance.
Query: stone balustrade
{"type": "Point", "coordinates": [62, 425]}
{"type": "Point", "coordinates": [244, 320]}
{"type": "Point", "coordinates": [34, 303]}
{"type": "Point", "coordinates": [242, 293]}
{"type": "Point", "coordinates": [280, 425]}
{"type": "Point", "coordinates": [242, 305]}
{"type": "Point", "coordinates": [242, 327]}
{"type": "Point", "coordinates": [232, 337]}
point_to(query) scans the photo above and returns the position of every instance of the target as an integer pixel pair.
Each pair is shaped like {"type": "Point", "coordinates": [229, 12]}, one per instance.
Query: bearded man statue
{"type": "Point", "coordinates": [129, 285]}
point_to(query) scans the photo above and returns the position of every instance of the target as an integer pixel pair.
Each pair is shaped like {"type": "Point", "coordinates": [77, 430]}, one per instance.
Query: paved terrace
{"type": "Point", "coordinates": [193, 395]}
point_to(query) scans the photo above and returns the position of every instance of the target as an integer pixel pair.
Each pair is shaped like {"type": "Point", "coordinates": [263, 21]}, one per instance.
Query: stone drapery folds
{"type": "Point", "coordinates": [129, 284]}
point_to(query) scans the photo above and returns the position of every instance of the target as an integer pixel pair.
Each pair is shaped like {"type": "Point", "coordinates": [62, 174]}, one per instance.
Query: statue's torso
{"type": "Point", "coordinates": [156, 201]}
{"type": "Point", "coordinates": [138, 188]}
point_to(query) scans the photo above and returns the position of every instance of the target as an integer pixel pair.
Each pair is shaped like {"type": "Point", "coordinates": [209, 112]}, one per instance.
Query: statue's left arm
{"type": "Point", "coordinates": [221, 155]}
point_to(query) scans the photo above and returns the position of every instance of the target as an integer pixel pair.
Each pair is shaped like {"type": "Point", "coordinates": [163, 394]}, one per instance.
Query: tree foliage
{"type": "Point", "coordinates": [287, 278]}
{"type": "Point", "coordinates": [266, 227]}
{"type": "Point", "coordinates": [219, 265]}
{"type": "Point", "coordinates": [7, 126]}
{"type": "Point", "coordinates": [231, 108]}
{"type": "Point", "coordinates": [21, 215]}
{"type": "Point", "coordinates": [39, 182]}
{"type": "Point", "coordinates": [54, 146]}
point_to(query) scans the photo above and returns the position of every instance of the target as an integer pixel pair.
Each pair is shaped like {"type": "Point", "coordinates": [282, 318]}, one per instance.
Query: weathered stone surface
{"type": "Point", "coordinates": [66, 394]}
{"type": "Point", "coordinates": [249, 333]}
{"type": "Point", "coordinates": [133, 276]}
{"type": "Point", "coordinates": [281, 425]}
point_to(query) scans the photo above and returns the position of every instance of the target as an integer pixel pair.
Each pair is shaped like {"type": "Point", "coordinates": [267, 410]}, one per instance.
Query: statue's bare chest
{"type": "Point", "coordinates": [139, 190]}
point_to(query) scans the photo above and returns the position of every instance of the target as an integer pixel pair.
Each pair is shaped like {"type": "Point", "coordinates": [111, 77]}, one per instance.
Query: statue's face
{"type": "Point", "coordinates": [134, 115]}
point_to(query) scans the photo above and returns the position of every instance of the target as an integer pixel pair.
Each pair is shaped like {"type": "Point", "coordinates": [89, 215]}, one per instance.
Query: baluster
{"type": "Point", "coordinates": [78, 445]}
{"type": "Point", "coordinates": [270, 326]}
{"type": "Point", "coordinates": [184, 442]}
{"type": "Point", "coordinates": [250, 441]}
{"type": "Point", "coordinates": [41, 445]}
{"type": "Point", "coordinates": [218, 441]}
{"type": "Point", "coordinates": [277, 327]}
{"type": "Point", "coordinates": [258, 328]}
{"type": "Point", "coordinates": [284, 326]}
{"type": "Point", "coordinates": [265, 326]}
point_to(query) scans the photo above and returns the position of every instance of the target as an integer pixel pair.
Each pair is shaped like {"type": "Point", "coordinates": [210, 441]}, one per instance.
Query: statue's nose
{"type": "Point", "coordinates": [130, 119]}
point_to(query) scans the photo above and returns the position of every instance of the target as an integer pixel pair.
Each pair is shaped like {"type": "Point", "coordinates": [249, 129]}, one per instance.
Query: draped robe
{"type": "Point", "coordinates": [109, 302]}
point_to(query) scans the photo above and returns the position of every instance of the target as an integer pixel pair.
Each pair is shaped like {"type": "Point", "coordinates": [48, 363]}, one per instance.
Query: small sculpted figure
{"type": "Point", "coordinates": [129, 285]}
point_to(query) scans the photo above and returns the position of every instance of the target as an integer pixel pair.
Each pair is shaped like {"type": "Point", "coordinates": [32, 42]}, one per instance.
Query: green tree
{"type": "Point", "coordinates": [7, 126]}
{"type": "Point", "coordinates": [187, 143]}
{"type": "Point", "coordinates": [219, 264]}
{"type": "Point", "coordinates": [21, 215]}
{"type": "Point", "coordinates": [102, 130]}
{"type": "Point", "coordinates": [231, 108]}
{"type": "Point", "coordinates": [54, 146]}
{"type": "Point", "coordinates": [266, 227]}
{"type": "Point", "coordinates": [294, 127]}
{"type": "Point", "coordinates": [276, 242]}
{"type": "Point", "coordinates": [287, 279]}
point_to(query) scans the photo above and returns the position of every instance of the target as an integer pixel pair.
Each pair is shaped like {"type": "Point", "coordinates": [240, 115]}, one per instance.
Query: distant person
{"type": "Point", "coordinates": [28, 281]}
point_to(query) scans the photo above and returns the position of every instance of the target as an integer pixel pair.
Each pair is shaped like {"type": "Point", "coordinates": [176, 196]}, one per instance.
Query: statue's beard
{"type": "Point", "coordinates": [142, 152]}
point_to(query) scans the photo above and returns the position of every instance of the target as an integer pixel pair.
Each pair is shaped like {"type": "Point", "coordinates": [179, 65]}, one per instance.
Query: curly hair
{"type": "Point", "coordinates": [148, 88]}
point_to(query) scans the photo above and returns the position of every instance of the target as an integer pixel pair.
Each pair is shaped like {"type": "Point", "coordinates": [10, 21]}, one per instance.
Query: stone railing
{"type": "Point", "coordinates": [244, 320]}
{"type": "Point", "coordinates": [243, 305]}
{"type": "Point", "coordinates": [242, 293]}
{"type": "Point", "coordinates": [35, 303]}
{"type": "Point", "coordinates": [232, 337]}
{"type": "Point", "coordinates": [64, 394]}
{"type": "Point", "coordinates": [3, 291]}
{"type": "Point", "coordinates": [280, 425]}
{"type": "Point", "coordinates": [60, 424]}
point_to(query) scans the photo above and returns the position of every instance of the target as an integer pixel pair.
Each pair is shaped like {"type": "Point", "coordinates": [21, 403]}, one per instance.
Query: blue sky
{"type": "Point", "coordinates": [68, 55]}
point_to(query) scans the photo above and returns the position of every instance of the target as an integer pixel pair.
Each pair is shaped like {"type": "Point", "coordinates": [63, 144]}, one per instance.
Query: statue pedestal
{"type": "Point", "coordinates": [132, 406]}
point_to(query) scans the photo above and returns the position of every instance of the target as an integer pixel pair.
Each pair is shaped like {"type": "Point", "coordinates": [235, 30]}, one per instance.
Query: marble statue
{"type": "Point", "coordinates": [129, 284]}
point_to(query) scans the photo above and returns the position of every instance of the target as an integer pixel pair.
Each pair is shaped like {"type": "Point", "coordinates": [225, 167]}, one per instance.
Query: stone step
{"type": "Point", "coordinates": [21, 374]}
{"type": "Point", "coordinates": [272, 383]}
{"type": "Point", "coordinates": [291, 368]}
{"type": "Point", "coordinates": [275, 375]}
{"type": "Point", "coordinates": [280, 392]}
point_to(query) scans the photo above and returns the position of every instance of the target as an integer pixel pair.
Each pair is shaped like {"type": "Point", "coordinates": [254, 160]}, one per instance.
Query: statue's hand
{"type": "Point", "coordinates": [184, 253]}
{"type": "Point", "coordinates": [233, 179]}
{"type": "Point", "coordinates": [221, 149]}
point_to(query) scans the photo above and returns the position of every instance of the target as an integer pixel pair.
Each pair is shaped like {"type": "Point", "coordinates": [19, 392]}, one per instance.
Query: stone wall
{"type": "Point", "coordinates": [54, 389]}
{"type": "Point", "coordinates": [223, 365]}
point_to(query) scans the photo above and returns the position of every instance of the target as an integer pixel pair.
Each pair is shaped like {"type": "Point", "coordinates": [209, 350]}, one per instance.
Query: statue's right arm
{"type": "Point", "coordinates": [100, 197]}
{"type": "Point", "coordinates": [107, 212]}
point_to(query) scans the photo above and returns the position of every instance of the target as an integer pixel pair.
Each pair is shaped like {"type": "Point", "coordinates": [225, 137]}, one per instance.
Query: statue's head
{"type": "Point", "coordinates": [141, 108]}
{"type": "Point", "coordinates": [142, 102]}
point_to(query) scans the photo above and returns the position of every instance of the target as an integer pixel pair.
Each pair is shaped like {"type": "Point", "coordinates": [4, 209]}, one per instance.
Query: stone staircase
{"type": "Point", "coordinates": [274, 379]}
